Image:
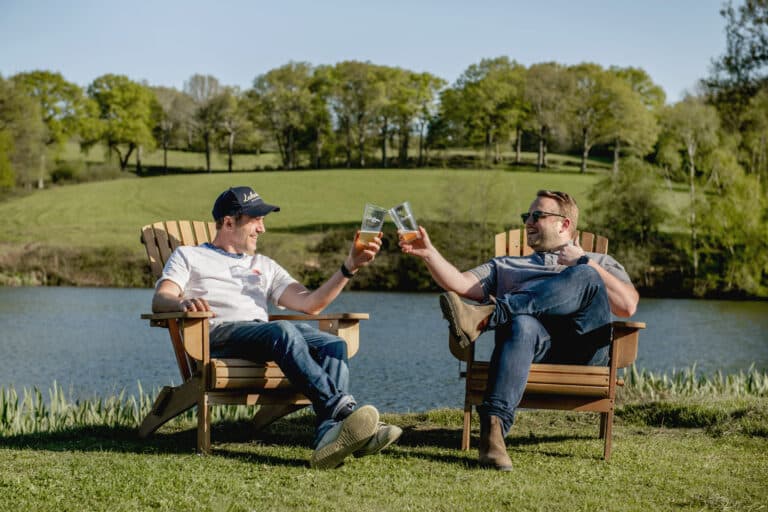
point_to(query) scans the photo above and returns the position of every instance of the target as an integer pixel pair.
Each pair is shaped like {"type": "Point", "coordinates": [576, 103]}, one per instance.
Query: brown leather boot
{"type": "Point", "coordinates": [465, 320]}
{"type": "Point", "coordinates": [493, 451]}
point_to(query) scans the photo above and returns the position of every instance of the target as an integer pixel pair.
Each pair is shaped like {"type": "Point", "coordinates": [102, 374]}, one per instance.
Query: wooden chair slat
{"type": "Point", "coordinates": [174, 234]}
{"type": "Point", "coordinates": [587, 242]}
{"type": "Point", "coordinates": [163, 244]}
{"type": "Point", "coordinates": [186, 234]}
{"type": "Point", "coordinates": [500, 244]}
{"type": "Point", "coordinates": [201, 233]}
{"type": "Point", "coordinates": [153, 254]}
{"type": "Point", "coordinates": [601, 245]}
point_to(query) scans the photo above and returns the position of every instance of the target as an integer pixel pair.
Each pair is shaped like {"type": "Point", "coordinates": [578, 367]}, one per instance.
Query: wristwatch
{"type": "Point", "coordinates": [583, 260]}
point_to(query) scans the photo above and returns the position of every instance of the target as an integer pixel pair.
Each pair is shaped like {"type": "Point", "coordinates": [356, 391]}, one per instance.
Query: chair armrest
{"type": "Point", "coordinates": [161, 319]}
{"type": "Point", "coordinates": [626, 336]}
{"type": "Point", "coordinates": [328, 316]}
{"type": "Point", "coordinates": [344, 325]}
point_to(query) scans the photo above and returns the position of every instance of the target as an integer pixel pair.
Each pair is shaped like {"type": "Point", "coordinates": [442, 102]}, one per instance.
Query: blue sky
{"type": "Point", "coordinates": [165, 42]}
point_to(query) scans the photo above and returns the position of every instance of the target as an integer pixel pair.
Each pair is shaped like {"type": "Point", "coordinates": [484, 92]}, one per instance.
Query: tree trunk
{"type": "Point", "coordinates": [207, 141]}
{"type": "Point", "coordinates": [518, 145]}
{"type": "Point", "coordinates": [540, 156]}
{"type": "Point", "coordinates": [384, 144]}
{"type": "Point", "coordinates": [41, 176]}
{"type": "Point", "coordinates": [544, 154]}
{"type": "Point", "coordinates": [616, 153]}
{"type": "Point", "coordinates": [692, 177]}
{"type": "Point", "coordinates": [405, 140]}
{"type": "Point", "coordinates": [138, 160]}
{"type": "Point", "coordinates": [165, 155]}
{"type": "Point", "coordinates": [230, 149]}
{"type": "Point", "coordinates": [584, 151]}
{"type": "Point", "coordinates": [421, 146]}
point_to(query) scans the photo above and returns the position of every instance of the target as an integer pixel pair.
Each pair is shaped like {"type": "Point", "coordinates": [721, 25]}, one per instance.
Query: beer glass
{"type": "Point", "coordinates": [407, 227]}
{"type": "Point", "coordinates": [373, 220]}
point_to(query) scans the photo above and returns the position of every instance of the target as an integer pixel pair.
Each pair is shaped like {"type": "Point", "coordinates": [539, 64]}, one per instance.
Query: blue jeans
{"type": "Point", "coordinates": [563, 319]}
{"type": "Point", "coordinates": [314, 361]}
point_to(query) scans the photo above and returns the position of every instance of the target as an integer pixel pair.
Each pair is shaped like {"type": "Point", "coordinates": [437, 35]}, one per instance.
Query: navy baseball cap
{"type": "Point", "coordinates": [242, 200]}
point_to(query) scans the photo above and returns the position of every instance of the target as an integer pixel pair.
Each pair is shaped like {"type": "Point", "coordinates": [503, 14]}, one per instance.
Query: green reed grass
{"type": "Point", "coordinates": [29, 412]}
{"type": "Point", "coordinates": [688, 382]}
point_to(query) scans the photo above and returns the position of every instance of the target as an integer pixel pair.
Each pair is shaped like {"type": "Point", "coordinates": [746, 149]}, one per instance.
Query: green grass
{"type": "Point", "coordinates": [556, 456]}
{"type": "Point", "coordinates": [703, 447]}
{"type": "Point", "coordinates": [110, 213]}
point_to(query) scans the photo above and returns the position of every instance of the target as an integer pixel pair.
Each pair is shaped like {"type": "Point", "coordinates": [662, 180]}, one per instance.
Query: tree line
{"type": "Point", "coordinates": [714, 142]}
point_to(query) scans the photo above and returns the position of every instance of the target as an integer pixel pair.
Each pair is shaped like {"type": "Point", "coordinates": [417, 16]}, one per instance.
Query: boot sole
{"type": "Point", "coordinates": [446, 305]}
{"type": "Point", "coordinates": [356, 430]}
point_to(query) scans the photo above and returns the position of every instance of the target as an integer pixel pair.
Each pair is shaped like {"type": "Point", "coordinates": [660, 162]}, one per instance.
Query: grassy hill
{"type": "Point", "coordinates": [110, 213]}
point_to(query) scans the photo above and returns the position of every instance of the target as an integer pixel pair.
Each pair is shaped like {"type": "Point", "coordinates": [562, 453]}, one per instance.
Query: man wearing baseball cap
{"type": "Point", "coordinates": [228, 277]}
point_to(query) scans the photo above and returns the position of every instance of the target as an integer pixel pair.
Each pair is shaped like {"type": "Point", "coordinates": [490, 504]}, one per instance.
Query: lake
{"type": "Point", "coordinates": [92, 342]}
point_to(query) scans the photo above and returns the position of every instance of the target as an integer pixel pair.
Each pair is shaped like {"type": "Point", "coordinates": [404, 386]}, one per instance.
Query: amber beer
{"type": "Point", "coordinates": [409, 236]}
{"type": "Point", "coordinates": [365, 237]}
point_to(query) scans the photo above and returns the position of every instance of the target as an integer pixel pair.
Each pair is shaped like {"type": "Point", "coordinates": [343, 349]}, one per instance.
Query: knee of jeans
{"type": "Point", "coordinates": [284, 332]}
{"type": "Point", "coordinates": [525, 326]}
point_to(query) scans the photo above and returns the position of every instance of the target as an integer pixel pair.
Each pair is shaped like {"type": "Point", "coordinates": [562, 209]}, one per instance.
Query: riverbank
{"type": "Point", "coordinates": [684, 451]}
{"type": "Point", "coordinates": [311, 258]}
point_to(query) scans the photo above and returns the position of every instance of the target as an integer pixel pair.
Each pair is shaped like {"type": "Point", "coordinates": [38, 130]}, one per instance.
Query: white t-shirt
{"type": "Point", "coordinates": [236, 286]}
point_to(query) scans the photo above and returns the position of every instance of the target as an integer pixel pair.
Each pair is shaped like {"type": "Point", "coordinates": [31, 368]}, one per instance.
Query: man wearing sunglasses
{"type": "Point", "coordinates": [553, 306]}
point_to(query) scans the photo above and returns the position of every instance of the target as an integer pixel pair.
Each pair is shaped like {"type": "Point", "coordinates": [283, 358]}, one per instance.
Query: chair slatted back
{"type": "Point", "coordinates": [513, 243]}
{"type": "Point", "coordinates": [161, 238]}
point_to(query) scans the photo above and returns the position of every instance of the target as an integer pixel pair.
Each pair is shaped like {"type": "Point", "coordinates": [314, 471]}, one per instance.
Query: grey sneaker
{"type": "Point", "coordinates": [345, 437]}
{"type": "Point", "coordinates": [385, 435]}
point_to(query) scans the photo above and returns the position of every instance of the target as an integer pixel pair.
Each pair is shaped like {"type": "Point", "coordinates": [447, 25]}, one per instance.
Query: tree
{"type": "Point", "coordinates": [64, 108]}
{"type": "Point", "coordinates": [590, 106]}
{"type": "Point", "coordinates": [284, 104]}
{"type": "Point", "coordinates": [691, 128]}
{"type": "Point", "coordinates": [628, 209]}
{"type": "Point", "coordinates": [22, 136]}
{"type": "Point", "coordinates": [487, 100]}
{"type": "Point", "coordinates": [174, 111]}
{"type": "Point", "coordinates": [633, 109]}
{"type": "Point", "coordinates": [548, 90]}
{"type": "Point", "coordinates": [355, 99]}
{"type": "Point", "coordinates": [754, 124]}
{"type": "Point", "coordinates": [125, 113]}
{"type": "Point", "coordinates": [205, 92]}
{"type": "Point", "coordinates": [234, 120]}
{"type": "Point", "coordinates": [426, 87]}
{"type": "Point", "coordinates": [737, 75]}
{"type": "Point", "coordinates": [735, 244]}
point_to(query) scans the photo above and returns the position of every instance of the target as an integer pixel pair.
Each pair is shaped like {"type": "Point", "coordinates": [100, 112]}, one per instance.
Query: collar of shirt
{"type": "Point", "coordinates": [219, 250]}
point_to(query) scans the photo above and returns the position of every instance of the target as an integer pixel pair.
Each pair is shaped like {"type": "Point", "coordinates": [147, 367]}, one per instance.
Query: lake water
{"type": "Point", "coordinates": [92, 342]}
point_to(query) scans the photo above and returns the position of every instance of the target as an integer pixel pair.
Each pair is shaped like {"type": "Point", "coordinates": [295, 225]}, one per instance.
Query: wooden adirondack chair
{"type": "Point", "coordinates": [559, 386]}
{"type": "Point", "coordinates": [208, 381]}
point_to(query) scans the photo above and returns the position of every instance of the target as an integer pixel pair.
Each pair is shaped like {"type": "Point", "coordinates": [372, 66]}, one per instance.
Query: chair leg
{"type": "Point", "coordinates": [608, 418]}
{"type": "Point", "coordinates": [467, 427]}
{"type": "Point", "coordinates": [170, 402]}
{"type": "Point", "coordinates": [269, 413]}
{"type": "Point", "coordinates": [603, 418]}
{"type": "Point", "coordinates": [204, 425]}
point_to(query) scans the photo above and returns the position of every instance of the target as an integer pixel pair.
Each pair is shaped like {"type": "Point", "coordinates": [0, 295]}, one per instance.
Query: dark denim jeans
{"type": "Point", "coordinates": [563, 319]}
{"type": "Point", "coordinates": [314, 361]}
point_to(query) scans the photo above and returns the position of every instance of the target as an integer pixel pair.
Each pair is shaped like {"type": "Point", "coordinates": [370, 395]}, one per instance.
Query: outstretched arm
{"type": "Point", "coordinates": [299, 298]}
{"type": "Point", "coordinates": [445, 274]}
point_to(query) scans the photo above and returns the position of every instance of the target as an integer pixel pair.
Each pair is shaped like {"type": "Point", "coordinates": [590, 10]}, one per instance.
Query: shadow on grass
{"type": "Point", "coordinates": [237, 440]}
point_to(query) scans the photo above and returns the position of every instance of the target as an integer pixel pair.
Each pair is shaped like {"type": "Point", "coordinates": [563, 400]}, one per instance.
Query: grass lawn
{"type": "Point", "coordinates": [110, 213]}
{"type": "Point", "coordinates": [556, 456]}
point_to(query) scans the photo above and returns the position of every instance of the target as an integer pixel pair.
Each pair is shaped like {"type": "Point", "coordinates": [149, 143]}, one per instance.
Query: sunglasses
{"type": "Point", "coordinates": [537, 214]}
